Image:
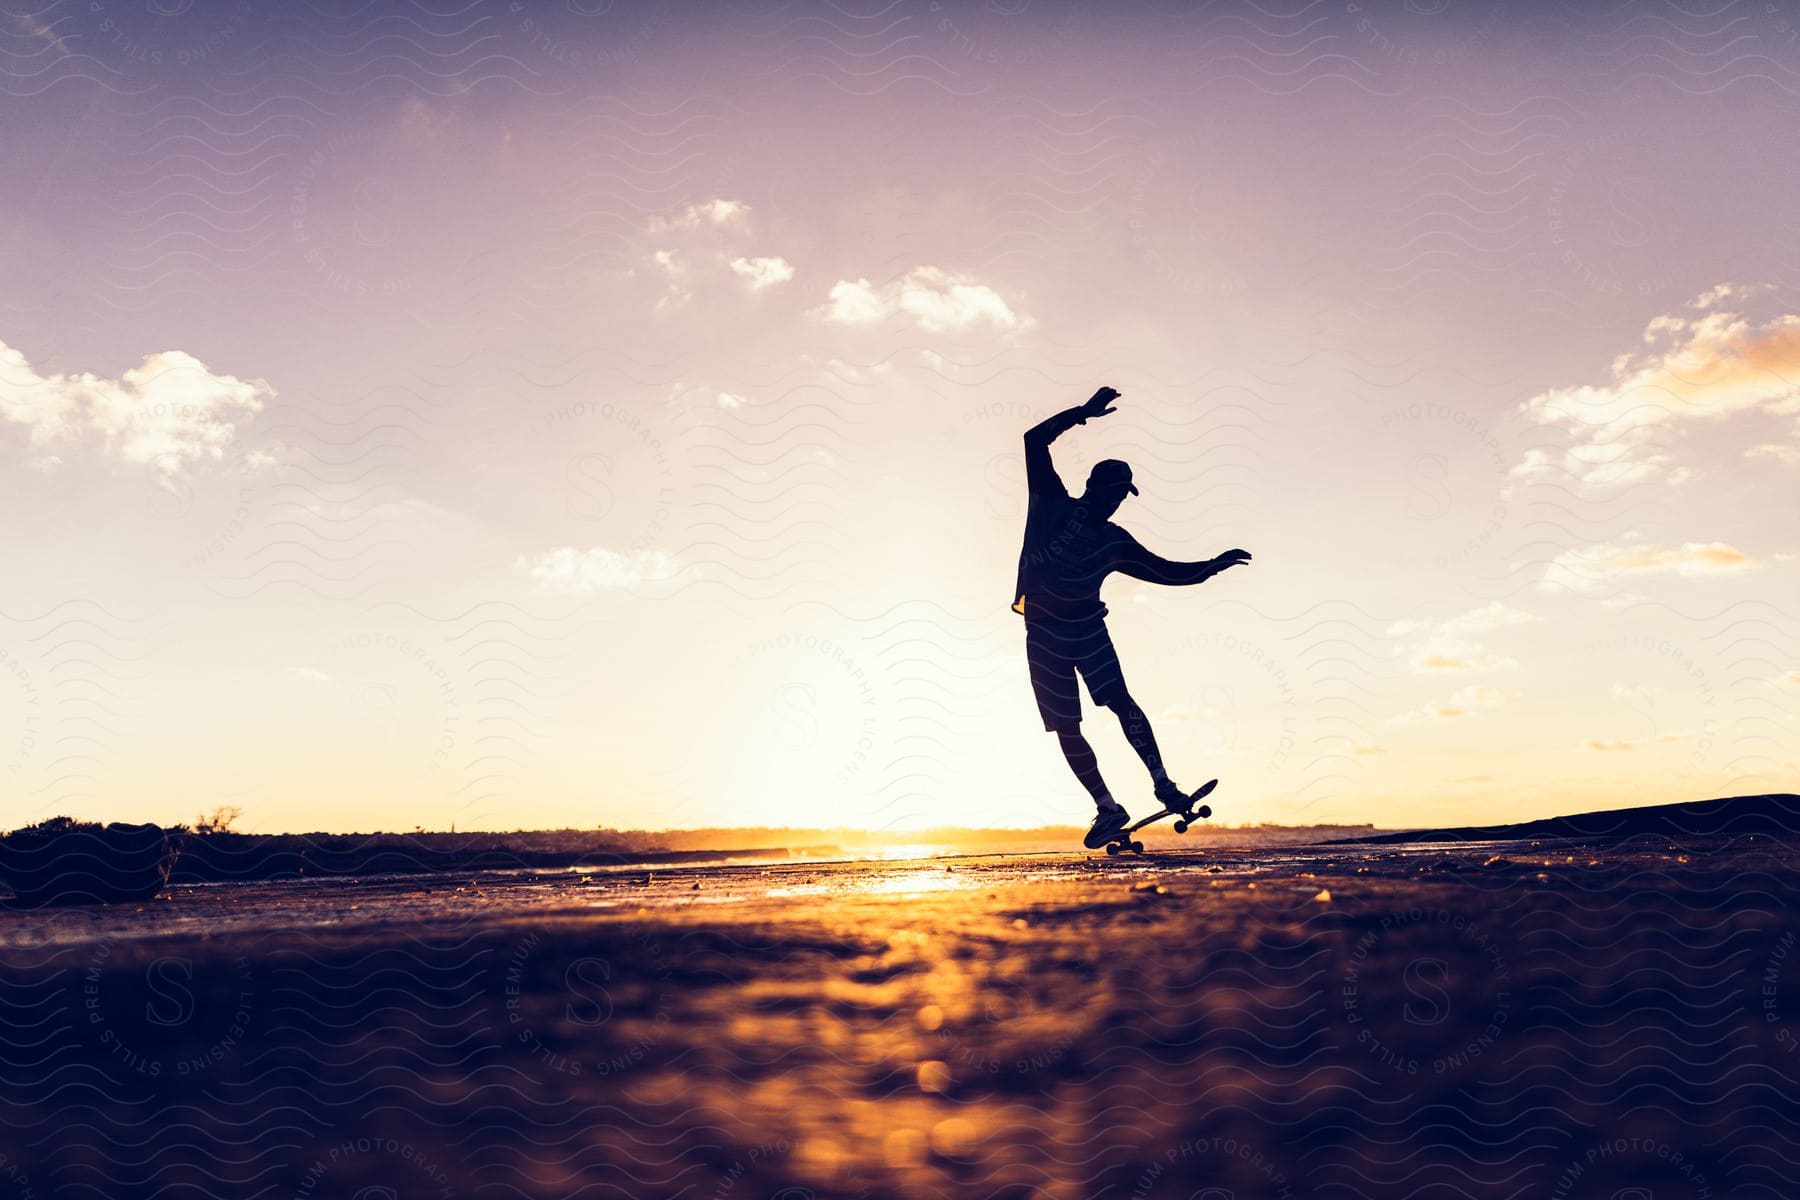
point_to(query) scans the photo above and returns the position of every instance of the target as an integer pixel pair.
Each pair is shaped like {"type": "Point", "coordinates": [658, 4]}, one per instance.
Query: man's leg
{"type": "Point", "coordinates": [1106, 683]}
{"type": "Point", "coordinates": [1142, 738]}
{"type": "Point", "coordinates": [1081, 758]}
{"type": "Point", "coordinates": [1109, 815]}
{"type": "Point", "coordinates": [1049, 653]}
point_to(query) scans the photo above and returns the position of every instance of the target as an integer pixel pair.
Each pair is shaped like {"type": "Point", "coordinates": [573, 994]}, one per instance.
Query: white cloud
{"type": "Point", "coordinates": [168, 412]}
{"type": "Point", "coordinates": [1485, 619]}
{"type": "Point", "coordinates": [678, 294]}
{"type": "Point", "coordinates": [729, 400]}
{"type": "Point", "coordinates": [763, 273]}
{"type": "Point", "coordinates": [1621, 599]}
{"type": "Point", "coordinates": [854, 303]}
{"type": "Point", "coordinates": [1780, 451]}
{"type": "Point", "coordinates": [1584, 570]}
{"type": "Point", "coordinates": [568, 570]}
{"type": "Point", "coordinates": [857, 373]}
{"type": "Point", "coordinates": [941, 301]}
{"type": "Point", "coordinates": [1466, 702]}
{"type": "Point", "coordinates": [701, 234]}
{"type": "Point", "coordinates": [719, 211]}
{"type": "Point", "coordinates": [1453, 645]}
{"type": "Point", "coordinates": [1701, 368]}
{"type": "Point", "coordinates": [936, 300]}
{"type": "Point", "coordinates": [1727, 291]}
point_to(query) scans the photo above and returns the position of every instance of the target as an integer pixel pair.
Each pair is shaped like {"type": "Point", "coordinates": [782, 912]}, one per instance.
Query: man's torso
{"type": "Point", "coordinates": [1066, 556]}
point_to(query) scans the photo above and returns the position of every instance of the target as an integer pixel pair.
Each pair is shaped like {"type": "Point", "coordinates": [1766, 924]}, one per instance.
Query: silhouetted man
{"type": "Point", "coordinates": [1070, 548]}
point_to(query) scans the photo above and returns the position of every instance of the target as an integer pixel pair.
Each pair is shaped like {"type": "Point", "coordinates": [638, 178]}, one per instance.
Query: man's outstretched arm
{"type": "Point", "coordinates": [1140, 563]}
{"type": "Point", "coordinates": [1040, 472]}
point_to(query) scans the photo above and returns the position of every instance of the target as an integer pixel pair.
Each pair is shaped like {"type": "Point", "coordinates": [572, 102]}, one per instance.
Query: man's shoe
{"type": "Point", "coordinates": [1172, 798]}
{"type": "Point", "coordinates": [1108, 823]}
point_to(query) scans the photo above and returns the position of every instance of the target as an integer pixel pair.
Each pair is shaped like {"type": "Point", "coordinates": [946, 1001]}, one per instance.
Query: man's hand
{"type": "Point", "coordinates": [1232, 558]}
{"type": "Point", "coordinates": [1099, 404]}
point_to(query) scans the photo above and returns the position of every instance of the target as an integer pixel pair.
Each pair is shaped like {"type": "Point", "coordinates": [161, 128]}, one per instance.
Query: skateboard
{"type": "Point", "coordinates": [1184, 816]}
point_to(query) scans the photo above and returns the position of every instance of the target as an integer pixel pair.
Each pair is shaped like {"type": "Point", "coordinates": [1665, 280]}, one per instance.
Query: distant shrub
{"type": "Point", "coordinates": [65, 861]}
{"type": "Point", "coordinates": [219, 820]}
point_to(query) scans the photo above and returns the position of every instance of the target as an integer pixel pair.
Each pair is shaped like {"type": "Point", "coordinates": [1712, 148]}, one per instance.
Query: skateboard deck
{"type": "Point", "coordinates": [1186, 814]}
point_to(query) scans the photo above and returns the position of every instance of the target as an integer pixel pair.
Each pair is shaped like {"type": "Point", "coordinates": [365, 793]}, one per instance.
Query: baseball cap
{"type": "Point", "coordinates": [1112, 470]}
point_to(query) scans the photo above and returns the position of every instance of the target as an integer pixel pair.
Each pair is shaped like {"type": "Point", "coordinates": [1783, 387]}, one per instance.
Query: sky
{"type": "Point", "coordinates": [594, 413]}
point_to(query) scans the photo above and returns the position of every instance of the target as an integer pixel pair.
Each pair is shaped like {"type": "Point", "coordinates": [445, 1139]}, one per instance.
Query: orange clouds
{"type": "Point", "coordinates": [1584, 570]}
{"type": "Point", "coordinates": [1708, 367]}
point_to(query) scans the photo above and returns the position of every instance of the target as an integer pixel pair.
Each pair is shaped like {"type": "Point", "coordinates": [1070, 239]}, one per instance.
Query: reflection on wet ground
{"type": "Point", "coordinates": [292, 904]}
{"type": "Point", "coordinates": [1502, 1019]}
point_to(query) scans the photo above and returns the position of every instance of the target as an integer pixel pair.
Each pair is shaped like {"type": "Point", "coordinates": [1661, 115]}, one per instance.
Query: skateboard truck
{"type": "Point", "coordinates": [1185, 815]}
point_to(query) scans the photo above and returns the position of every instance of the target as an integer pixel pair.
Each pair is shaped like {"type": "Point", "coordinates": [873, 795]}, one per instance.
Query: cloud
{"type": "Point", "coordinates": [1699, 368]}
{"type": "Point", "coordinates": [730, 400]}
{"type": "Point", "coordinates": [578, 572]}
{"type": "Point", "coordinates": [1727, 291]}
{"type": "Point", "coordinates": [1781, 452]}
{"type": "Point", "coordinates": [854, 303]}
{"type": "Point", "coordinates": [763, 273]}
{"type": "Point", "coordinates": [936, 300]}
{"type": "Point", "coordinates": [422, 122]}
{"type": "Point", "coordinates": [678, 294]}
{"type": "Point", "coordinates": [859, 374]}
{"type": "Point", "coordinates": [1453, 645]}
{"type": "Point", "coordinates": [32, 27]}
{"type": "Point", "coordinates": [306, 675]}
{"type": "Point", "coordinates": [1791, 679]}
{"type": "Point", "coordinates": [1464, 703]}
{"type": "Point", "coordinates": [1614, 746]}
{"type": "Point", "coordinates": [1584, 570]}
{"type": "Point", "coordinates": [702, 234]}
{"type": "Point", "coordinates": [718, 211]}
{"type": "Point", "coordinates": [169, 412]}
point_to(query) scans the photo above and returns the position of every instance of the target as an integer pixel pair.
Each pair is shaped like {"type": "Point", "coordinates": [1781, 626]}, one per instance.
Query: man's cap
{"type": "Point", "coordinates": [1112, 470]}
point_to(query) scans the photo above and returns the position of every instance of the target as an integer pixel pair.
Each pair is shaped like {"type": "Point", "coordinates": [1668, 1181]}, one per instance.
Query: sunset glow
{"type": "Point", "coordinates": [626, 431]}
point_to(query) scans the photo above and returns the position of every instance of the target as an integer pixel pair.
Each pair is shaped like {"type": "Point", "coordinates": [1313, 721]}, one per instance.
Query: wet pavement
{"type": "Point", "coordinates": [1493, 1020]}
{"type": "Point", "coordinates": [212, 909]}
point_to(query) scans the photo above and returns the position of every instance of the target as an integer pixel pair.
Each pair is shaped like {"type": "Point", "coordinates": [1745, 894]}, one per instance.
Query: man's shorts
{"type": "Point", "coordinates": [1055, 651]}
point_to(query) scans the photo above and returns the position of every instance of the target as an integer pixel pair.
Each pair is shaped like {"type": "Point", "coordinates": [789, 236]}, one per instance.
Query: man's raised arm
{"type": "Point", "coordinates": [1140, 563]}
{"type": "Point", "coordinates": [1040, 472]}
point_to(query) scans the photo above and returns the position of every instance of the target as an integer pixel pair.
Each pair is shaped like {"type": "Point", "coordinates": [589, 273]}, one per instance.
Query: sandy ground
{"type": "Point", "coordinates": [1510, 1020]}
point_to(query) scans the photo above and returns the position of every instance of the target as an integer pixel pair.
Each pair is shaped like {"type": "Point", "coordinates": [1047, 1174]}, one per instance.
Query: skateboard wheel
{"type": "Point", "coordinates": [1181, 827]}
{"type": "Point", "coordinates": [1112, 848]}
{"type": "Point", "coordinates": [1137, 847]}
{"type": "Point", "coordinates": [1205, 811]}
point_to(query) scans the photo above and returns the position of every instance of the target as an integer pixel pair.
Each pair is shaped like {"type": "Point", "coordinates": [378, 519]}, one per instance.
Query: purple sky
{"type": "Point", "coordinates": [595, 413]}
